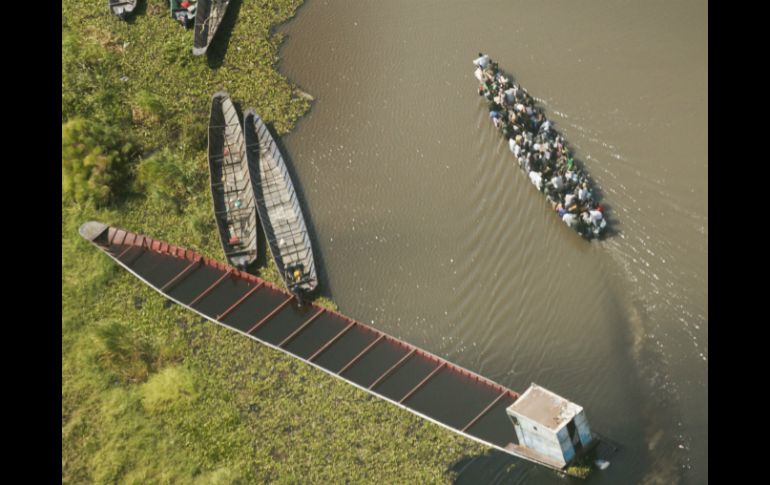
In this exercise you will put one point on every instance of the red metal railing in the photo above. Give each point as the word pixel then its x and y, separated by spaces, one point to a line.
pixel 422 382
pixel 119 236
pixel 270 315
pixel 240 300
pixel 485 411
pixel 361 354
pixel 179 275
pixel 210 288
pixel 331 341
pixel 392 368
pixel 300 328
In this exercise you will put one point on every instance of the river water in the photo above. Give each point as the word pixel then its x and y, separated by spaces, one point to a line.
pixel 424 226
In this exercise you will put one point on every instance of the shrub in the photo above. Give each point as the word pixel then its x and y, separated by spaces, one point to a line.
pixel 326 303
pixel 201 223
pixel 147 107
pixel 166 178
pixel 95 160
pixel 122 353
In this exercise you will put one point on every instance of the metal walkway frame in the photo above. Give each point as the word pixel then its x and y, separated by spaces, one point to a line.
pixel 166 268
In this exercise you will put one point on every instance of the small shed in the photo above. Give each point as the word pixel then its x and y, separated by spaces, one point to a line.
pixel 549 424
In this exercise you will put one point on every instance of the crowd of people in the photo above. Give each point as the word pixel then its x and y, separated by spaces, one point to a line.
pixel 541 152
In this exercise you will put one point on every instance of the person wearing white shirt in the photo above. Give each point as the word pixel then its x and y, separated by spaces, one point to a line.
pixel 536 179
pixel 482 61
pixel 583 193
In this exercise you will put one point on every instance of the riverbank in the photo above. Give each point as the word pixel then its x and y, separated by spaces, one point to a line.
pixel 150 392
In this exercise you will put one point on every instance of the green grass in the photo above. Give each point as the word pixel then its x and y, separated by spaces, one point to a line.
pixel 152 393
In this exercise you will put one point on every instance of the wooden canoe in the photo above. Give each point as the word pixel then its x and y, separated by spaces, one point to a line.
pixel 232 183
pixel 279 210
pixel 208 17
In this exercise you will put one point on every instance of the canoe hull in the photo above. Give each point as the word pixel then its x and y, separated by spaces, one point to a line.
pixel 232 183
pixel 208 18
pixel 279 211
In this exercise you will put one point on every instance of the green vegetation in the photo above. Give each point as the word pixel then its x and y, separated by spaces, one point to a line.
pixel 166 177
pixel 579 470
pixel 151 393
pixel 582 466
pixel 94 161
pixel 326 303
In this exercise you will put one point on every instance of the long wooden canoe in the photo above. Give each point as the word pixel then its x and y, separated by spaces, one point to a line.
pixel 562 179
pixel 278 207
pixel 207 20
pixel 232 183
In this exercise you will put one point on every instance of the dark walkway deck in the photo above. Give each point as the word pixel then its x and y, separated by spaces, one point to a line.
pixel 407 376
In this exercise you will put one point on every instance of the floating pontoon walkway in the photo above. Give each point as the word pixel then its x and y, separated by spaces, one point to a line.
pixel 396 371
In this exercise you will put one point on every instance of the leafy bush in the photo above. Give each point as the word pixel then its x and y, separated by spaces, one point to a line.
pixel 121 353
pixel 147 107
pixel 95 159
pixel 167 178
pixel 326 303
pixel 201 223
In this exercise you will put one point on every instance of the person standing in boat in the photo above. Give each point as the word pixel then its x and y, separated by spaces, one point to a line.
pixel 495 118
pixel 557 182
pixel 507 130
pixel 482 61
pixel 514 147
pixel 583 192
pixel 569 219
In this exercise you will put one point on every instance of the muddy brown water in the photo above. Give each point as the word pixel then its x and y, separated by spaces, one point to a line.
pixel 424 226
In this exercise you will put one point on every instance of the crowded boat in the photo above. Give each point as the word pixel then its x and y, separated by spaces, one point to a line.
pixel 540 150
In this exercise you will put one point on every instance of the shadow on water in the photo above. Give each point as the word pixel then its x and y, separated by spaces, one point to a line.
pixel 215 55
pixel 493 467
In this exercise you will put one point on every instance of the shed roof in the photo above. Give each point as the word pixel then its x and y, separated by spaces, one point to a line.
pixel 545 407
